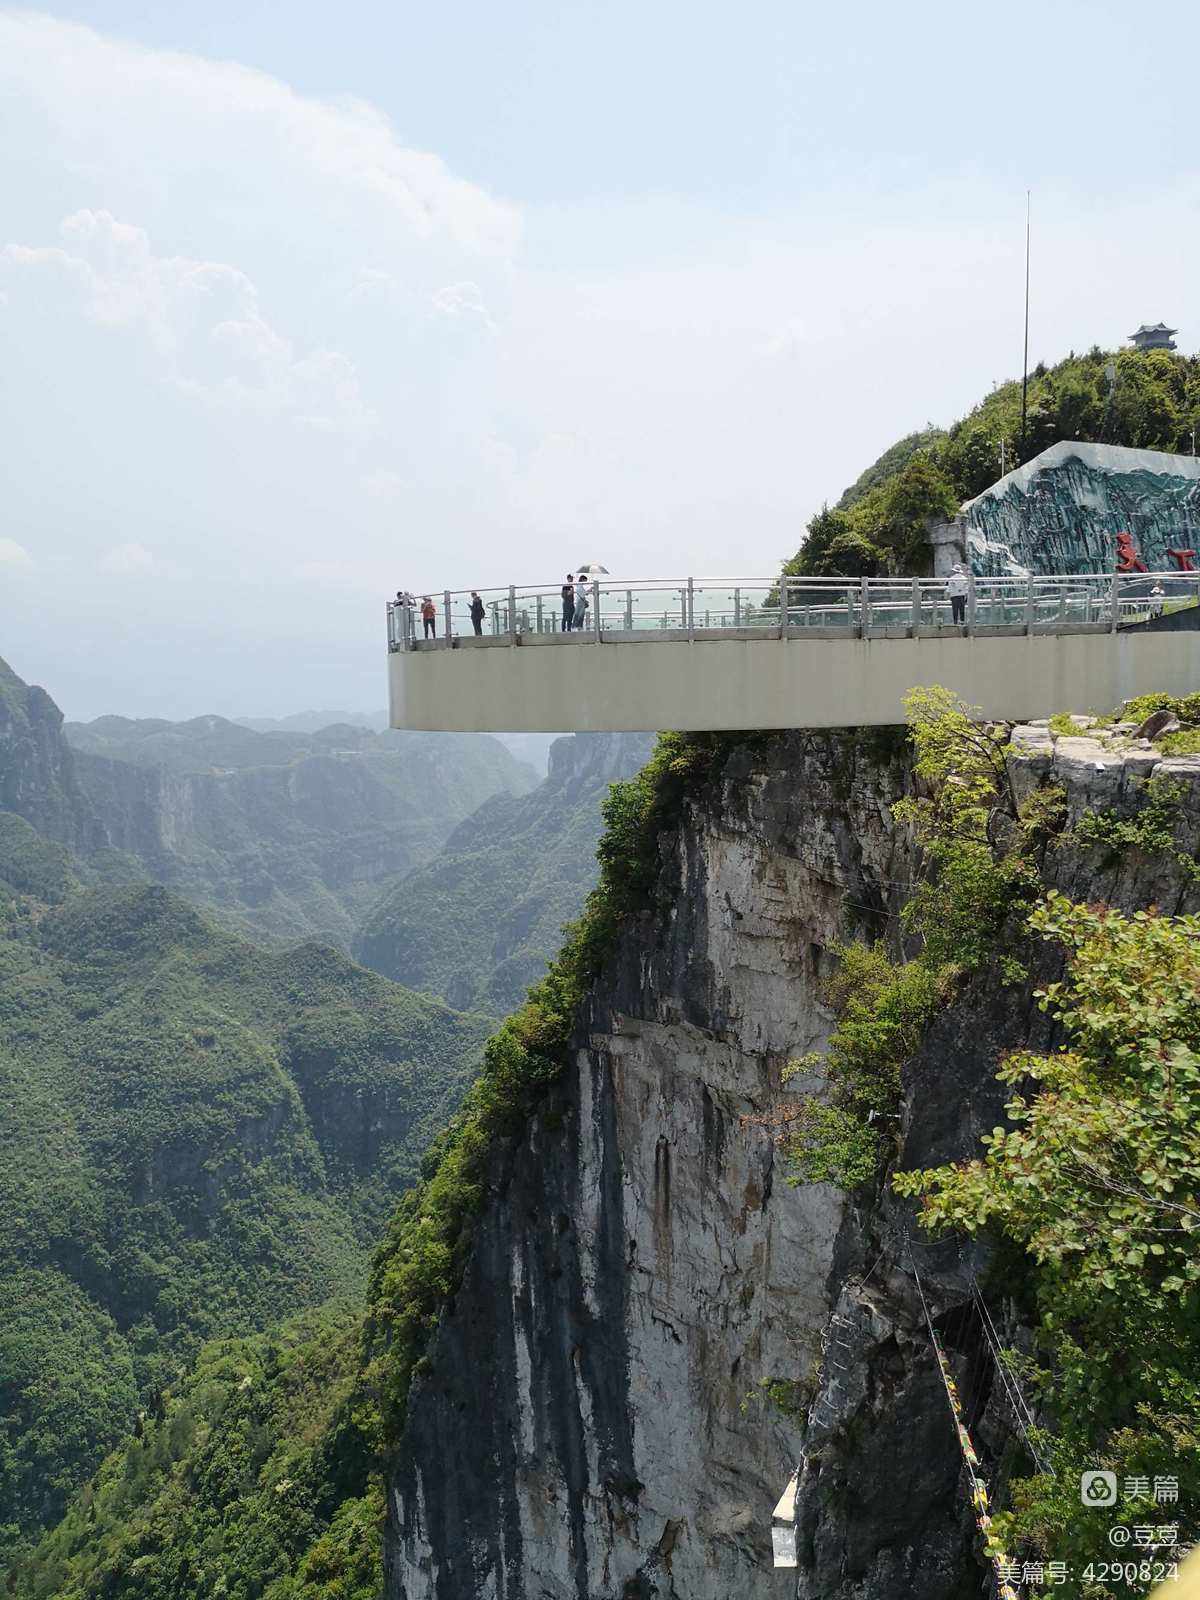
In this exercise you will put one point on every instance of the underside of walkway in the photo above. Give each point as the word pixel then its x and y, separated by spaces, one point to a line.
pixel 777 683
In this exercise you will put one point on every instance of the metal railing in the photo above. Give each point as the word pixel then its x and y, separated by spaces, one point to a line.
pixel 785 608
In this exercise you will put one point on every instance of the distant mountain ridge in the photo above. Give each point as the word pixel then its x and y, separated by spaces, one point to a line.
pixel 314 721
pixel 478 923
pixel 285 834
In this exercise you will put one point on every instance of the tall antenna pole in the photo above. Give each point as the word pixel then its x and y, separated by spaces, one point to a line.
pixel 1025 365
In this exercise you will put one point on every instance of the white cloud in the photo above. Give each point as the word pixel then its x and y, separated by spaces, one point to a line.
pixel 384 485
pixel 201 318
pixel 128 560
pixel 96 87
pixel 463 302
pixel 13 554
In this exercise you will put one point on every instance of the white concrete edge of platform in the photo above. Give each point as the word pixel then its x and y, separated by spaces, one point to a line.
pixel 728 684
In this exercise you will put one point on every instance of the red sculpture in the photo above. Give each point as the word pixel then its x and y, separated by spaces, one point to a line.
pixel 1183 559
pixel 1128 559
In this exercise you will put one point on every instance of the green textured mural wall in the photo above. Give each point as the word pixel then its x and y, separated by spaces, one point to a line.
pixel 1061 511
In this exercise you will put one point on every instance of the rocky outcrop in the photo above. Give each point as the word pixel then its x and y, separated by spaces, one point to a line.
pixel 655 1329
pixel 37 777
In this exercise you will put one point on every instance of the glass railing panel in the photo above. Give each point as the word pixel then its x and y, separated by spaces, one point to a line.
pixel 1042 602
pixel 822 603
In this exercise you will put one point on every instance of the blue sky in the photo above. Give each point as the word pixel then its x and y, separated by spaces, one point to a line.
pixel 301 302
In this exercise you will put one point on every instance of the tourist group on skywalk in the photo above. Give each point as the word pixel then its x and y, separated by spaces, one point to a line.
pixel 575 602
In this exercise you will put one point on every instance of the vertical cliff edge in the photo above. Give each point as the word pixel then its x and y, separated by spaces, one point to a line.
pixel 654 1328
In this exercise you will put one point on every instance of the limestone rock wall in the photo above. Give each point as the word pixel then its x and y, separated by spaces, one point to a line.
pixel 594 1425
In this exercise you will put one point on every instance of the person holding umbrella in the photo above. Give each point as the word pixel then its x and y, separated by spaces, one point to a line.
pixel 588 569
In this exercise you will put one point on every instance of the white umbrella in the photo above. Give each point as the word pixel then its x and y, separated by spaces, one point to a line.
pixel 592 569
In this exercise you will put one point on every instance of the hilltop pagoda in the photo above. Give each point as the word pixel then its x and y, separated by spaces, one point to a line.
pixel 1154 336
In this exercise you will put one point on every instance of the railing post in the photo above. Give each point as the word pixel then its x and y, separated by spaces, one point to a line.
pixel 970 604
pixel 691 609
pixel 629 611
pixel 446 615
pixel 916 607
pixel 1029 606
pixel 596 605
pixel 737 608
pixel 1112 621
pixel 512 613
pixel 783 605
pixel 539 615
pixel 864 605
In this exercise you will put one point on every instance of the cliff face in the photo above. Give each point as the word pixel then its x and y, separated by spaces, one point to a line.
pixel 37 778
pixel 595 1424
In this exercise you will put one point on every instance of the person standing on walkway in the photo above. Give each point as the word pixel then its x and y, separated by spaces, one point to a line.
pixel 429 617
pixel 476 612
pixel 568 600
pixel 581 604
pixel 956 588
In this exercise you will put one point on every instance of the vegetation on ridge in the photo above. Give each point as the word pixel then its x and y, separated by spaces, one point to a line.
pixel 878 526
pixel 247 1482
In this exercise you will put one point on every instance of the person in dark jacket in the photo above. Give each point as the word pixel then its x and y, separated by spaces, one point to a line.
pixel 476 612
pixel 568 600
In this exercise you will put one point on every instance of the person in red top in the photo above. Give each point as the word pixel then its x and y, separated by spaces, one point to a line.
pixel 429 617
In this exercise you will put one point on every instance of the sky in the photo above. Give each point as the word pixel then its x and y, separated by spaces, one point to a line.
pixel 300 304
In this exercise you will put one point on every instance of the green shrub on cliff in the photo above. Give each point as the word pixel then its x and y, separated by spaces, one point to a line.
pixel 883 1007
pixel 1097 1181
pixel 960 907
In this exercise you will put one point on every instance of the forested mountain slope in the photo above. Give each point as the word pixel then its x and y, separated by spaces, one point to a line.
pixel 479 923
pixel 878 525
pixel 594 1337
pixel 285 834
pixel 198 1135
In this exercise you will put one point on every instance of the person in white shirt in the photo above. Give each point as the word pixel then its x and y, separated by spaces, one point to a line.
pixel 956 588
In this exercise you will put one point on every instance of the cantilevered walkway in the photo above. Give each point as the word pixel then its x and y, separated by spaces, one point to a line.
pixel 710 654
